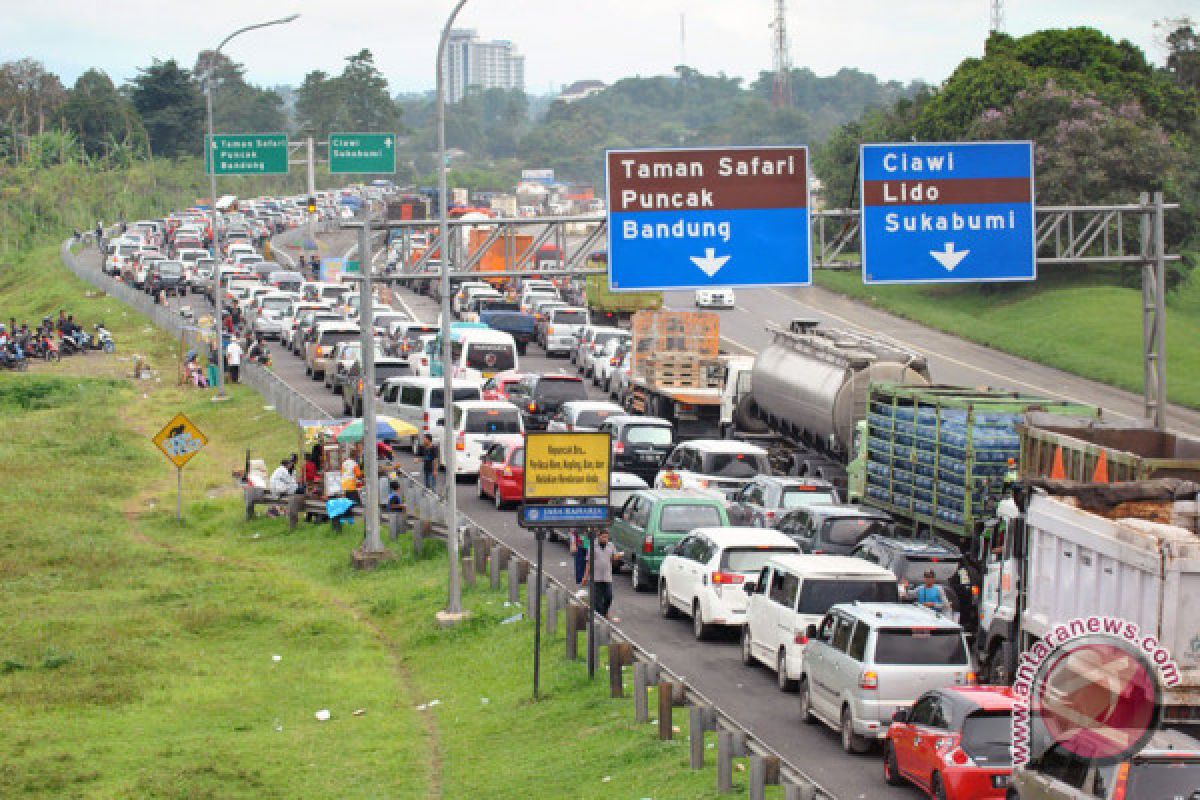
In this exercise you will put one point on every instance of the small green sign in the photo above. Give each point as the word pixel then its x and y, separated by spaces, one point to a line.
pixel 249 154
pixel 362 152
pixel 351 266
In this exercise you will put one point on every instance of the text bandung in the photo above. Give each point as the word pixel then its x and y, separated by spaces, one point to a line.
pixel 680 229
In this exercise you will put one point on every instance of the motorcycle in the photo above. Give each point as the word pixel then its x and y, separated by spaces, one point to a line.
pixel 68 345
pixel 102 340
pixel 12 357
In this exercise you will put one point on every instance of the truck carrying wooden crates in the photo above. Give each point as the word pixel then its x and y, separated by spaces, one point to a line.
pixel 676 371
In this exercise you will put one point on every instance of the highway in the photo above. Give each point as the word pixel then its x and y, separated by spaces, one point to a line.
pixel 714 668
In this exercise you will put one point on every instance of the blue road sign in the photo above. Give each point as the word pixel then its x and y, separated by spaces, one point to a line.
pixel 948 212
pixel 696 218
pixel 551 515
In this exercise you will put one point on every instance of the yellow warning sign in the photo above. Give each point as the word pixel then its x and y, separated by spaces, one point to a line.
pixel 179 440
pixel 560 466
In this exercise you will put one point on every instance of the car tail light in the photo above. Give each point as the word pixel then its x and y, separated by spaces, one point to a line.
pixel 702 483
pixel 612 362
pixel 869 680
pixel 461 444
pixel 671 480
pixel 648 544
pixel 818 552
pixel 570 427
pixel 508 473
pixel 770 516
pixel 727 578
pixel 1121 782
pixel 618 447
pixel 533 408
pixel 972 679
pixel 800 639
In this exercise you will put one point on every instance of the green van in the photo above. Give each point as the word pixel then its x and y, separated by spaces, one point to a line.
pixel 653 520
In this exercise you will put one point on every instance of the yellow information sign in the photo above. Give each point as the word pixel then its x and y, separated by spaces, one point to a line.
pixel 179 440
pixel 560 466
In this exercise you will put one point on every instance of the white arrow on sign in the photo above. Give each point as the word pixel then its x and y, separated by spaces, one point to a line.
pixel 387 142
pixel 710 262
pixel 949 257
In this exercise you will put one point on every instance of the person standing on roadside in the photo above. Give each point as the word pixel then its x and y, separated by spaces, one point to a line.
pixel 579 551
pixel 429 462
pixel 605 553
pixel 233 359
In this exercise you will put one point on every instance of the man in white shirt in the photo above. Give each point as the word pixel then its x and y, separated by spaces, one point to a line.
pixel 282 481
pixel 233 359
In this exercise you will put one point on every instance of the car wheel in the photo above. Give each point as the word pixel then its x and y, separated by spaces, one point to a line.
pixel 786 684
pixel 638 577
pixel 806 715
pixel 891 768
pixel 748 658
pixel 498 498
pixel 665 607
pixel 700 629
pixel 851 741
pixel 939 787
pixel 482 495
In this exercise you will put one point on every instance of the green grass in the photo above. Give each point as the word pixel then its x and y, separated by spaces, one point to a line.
pixel 1083 327
pixel 138 653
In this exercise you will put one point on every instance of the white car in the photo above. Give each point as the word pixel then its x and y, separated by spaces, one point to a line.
pixel 722 465
pixel 705 573
pixel 715 298
pixel 582 415
pixel 480 424
pixel 608 361
pixel 591 347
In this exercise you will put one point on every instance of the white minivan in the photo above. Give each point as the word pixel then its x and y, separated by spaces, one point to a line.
pixel 419 402
pixel 480 353
pixel 795 591
pixel 479 424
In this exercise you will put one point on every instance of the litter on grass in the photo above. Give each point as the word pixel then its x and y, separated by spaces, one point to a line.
pixel 514 618
pixel 277 658
pixel 322 715
pixel 358 712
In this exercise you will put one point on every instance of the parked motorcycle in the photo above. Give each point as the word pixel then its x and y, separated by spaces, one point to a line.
pixel 102 340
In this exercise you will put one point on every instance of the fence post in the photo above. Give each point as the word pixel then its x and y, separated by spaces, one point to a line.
pixel 576 622
pixel 619 655
pixel 480 553
pixel 666 705
pixel 801 790
pixel 696 726
pixel 494 564
pixel 514 580
pixel 764 771
pixel 552 610
pixel 641 688
pixel 468 572
pixel 730 745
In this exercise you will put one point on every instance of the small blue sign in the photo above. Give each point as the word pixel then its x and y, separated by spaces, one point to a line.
pixel 948 212
pixel 547 515
pixel 708 217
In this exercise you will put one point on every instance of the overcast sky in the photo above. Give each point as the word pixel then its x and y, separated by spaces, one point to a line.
pixel 562 40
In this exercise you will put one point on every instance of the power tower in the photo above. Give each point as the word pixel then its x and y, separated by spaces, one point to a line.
pixel 997 23
pixel 781 91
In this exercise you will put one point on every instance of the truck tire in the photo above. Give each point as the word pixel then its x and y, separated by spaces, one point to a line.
pixel 745 417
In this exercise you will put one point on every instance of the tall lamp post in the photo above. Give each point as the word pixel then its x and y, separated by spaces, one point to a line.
pixel 454 609
pixel 209 161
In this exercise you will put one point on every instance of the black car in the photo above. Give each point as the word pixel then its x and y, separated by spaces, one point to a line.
pixel 640 444
pixel 539 397
pixel 167 276
pixel 834 530
pixel 767 498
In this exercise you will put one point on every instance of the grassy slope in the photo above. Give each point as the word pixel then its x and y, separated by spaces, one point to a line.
pixel 137 656
pixel 1090 330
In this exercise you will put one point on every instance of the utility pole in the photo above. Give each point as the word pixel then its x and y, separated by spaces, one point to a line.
pixel 312 196
pixel 997 22
pixel 372 547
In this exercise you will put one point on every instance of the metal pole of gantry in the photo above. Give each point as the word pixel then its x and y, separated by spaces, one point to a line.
pixel 372 543
pixel 312 196
pixel 454 606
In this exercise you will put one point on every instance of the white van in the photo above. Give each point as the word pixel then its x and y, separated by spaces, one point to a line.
pixel 479 424
pixel 479 353
pixel 419 402
pixel 795 591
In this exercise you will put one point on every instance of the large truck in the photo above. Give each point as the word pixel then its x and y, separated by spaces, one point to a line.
pixel 615 309
pixel 1068 551
pixel 676 370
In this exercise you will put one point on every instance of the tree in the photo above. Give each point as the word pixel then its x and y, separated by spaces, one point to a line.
pixel 239 107
pixel 30 99
pixel 319 106
pixel 364 93
pixel 1182 42
pixel 102 120
pixel 172 108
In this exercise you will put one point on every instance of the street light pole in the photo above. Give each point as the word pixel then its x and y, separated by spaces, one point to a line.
pixel 454 608
pixel 209 161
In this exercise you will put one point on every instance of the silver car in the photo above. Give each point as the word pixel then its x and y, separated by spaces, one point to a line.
pixel 868 660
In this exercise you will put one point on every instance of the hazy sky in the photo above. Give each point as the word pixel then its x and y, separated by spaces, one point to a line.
pixel 562 40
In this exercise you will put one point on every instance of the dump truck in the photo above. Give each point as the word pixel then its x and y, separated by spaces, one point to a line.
pixel 676 370
pixel 1079 445
pixel 615 309
pixel 1068 550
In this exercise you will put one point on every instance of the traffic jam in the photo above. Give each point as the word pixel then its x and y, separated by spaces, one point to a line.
pixel 828 510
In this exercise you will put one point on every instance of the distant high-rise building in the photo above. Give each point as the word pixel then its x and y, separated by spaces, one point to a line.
pixel 488 65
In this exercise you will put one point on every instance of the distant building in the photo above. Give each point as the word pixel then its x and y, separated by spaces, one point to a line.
pixel 581 89
pixel 488 65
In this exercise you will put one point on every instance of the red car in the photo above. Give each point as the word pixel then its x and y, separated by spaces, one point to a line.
pixel 502 474
pixel 953 743
pixel 497 386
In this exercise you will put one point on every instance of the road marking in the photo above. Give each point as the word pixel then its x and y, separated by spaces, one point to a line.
pixel 953 360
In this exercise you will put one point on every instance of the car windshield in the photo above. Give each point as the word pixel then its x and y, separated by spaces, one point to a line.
pixel 276 303
pixel 491 357
pixel 606 336
pixel 913 568
pixel 818 595
pixel 749 559
pixel 570 318
pixel 460 393
pixel 385 371
pixel 920 647
pixel 415 332
pixel 987 737
pixel 563 390
pixel 594 419
pixel 337 337
pixel 170 267
pixel 493 420
pixel 648 434
pixel 735 465
pixel 852 530
pixel 795 497
pixel 679 518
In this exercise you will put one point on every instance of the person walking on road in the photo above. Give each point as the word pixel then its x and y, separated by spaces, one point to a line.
pixel 930 595
pixel 233 359
pixel 429 462
pixel 602 582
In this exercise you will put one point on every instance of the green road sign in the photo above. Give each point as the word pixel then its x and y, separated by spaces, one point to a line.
pixel 362 152
pixel 351 266
pixel 250 153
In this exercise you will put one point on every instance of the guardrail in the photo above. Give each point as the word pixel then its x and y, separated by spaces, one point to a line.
pixel 482 552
